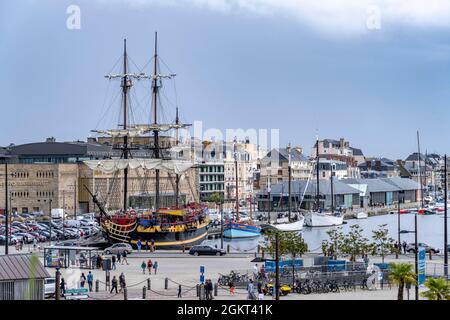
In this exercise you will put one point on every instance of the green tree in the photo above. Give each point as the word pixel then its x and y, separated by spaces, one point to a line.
pixel 354 243
pixel 382 243
pixel 336 241
pixel 438 289
pixel 401 274
pixel 215 198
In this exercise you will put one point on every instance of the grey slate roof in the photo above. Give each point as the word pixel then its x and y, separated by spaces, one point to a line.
pixel 298 187
pixel 373 185
pixel 357 152
pixel 385 184
pixel 284 155
pixel 21 267
pixel 414 156
pixel 59 148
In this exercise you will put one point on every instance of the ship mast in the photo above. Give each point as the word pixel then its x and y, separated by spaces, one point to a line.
pixel 155 89
pixel 237 178
pixel 177 176
pixel 317 174
pixel 126 84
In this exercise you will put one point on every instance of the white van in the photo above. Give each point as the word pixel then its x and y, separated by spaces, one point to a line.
pixel 72 223
pixel 58 213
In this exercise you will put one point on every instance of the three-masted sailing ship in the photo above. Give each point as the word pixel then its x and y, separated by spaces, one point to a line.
pixel 174 227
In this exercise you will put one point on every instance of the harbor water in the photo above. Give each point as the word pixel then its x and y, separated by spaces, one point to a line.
pixel 430 231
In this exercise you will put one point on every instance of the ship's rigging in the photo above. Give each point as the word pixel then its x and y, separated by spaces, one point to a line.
pixel 157 158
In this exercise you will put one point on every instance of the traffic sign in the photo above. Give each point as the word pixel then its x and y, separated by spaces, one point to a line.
pixel 77 297
pixel 77 291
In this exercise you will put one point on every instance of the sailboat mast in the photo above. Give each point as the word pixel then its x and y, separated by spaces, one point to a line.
pixel 419 167
pixel 125 86
pixel 177 176
pixel 289 186
pixel 237 179
pixel 155 120
pixel 317 174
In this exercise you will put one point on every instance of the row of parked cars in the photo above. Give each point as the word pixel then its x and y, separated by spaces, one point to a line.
pixel 30 230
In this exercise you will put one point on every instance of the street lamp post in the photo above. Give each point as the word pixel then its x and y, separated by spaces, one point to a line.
pixel 277 268
pixel 445 220
pixel 416 256
pixel 6 174
pixel 221 224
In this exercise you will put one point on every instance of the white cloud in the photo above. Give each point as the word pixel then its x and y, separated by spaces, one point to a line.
pixel 330 16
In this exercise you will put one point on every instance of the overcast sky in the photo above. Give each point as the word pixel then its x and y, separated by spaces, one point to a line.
pixel 334 69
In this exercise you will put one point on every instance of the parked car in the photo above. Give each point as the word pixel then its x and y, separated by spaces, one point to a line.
pixel 206 250
pixel 119 248
pixel 11 240
pixel 49 287
pixel 411 248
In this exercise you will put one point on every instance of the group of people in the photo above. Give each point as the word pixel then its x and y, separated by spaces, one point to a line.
pixel 209 290
pixel 149 266
pixel 121 282
pixel 399 246
pixel 89 279
pixel 259 273
pixel 148 247
pixel 120 257
pixel 251 291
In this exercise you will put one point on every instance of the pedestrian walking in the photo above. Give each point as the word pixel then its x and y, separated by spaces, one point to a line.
pixel 124 257
pixel 155 266
pixel 149 266
pixel 404 247
pixel 113 284
pixel 139 245
pixel 113 260
pixel 147 247
pixel 153 246
pixel 63 286
pixel 122 282
pixel 250 289
pixel 118 257
pixel 179 291
pixel 90 280
pixel 231 286
pixel 82 280
pixel 260 291
pixel 255 272
pixel 143 266
pixel 208 289
pixel 34 244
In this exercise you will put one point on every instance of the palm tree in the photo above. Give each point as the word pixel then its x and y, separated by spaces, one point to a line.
pixel 438 289
pixel 401 274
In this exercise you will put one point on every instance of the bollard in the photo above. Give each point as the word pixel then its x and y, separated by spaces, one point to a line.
pixel 202 292
pixel 198 290
pixel 148 284
pixel 166 283
pixel 228 248
pixel 97 284
pixel 216 287
pixel 144 291
pixel 125 294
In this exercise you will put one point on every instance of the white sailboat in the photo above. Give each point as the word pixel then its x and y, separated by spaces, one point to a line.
pixel 319 218
pixel 323 219
pixel 287 224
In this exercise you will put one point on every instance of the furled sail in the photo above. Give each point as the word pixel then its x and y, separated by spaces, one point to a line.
pixel 112 165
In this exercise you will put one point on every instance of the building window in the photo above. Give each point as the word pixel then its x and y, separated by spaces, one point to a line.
pixel 24 210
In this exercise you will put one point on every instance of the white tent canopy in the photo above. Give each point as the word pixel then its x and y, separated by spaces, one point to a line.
pixel 110 166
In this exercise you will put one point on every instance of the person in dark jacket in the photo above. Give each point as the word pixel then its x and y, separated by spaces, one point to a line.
pixel 113 260
pixel 179 291
pixel 63 286
pixel 113 284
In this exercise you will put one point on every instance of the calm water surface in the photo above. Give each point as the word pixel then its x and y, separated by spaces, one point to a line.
pixel 430 231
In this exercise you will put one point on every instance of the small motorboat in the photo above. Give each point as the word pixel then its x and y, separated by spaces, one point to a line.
pixel 362 215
